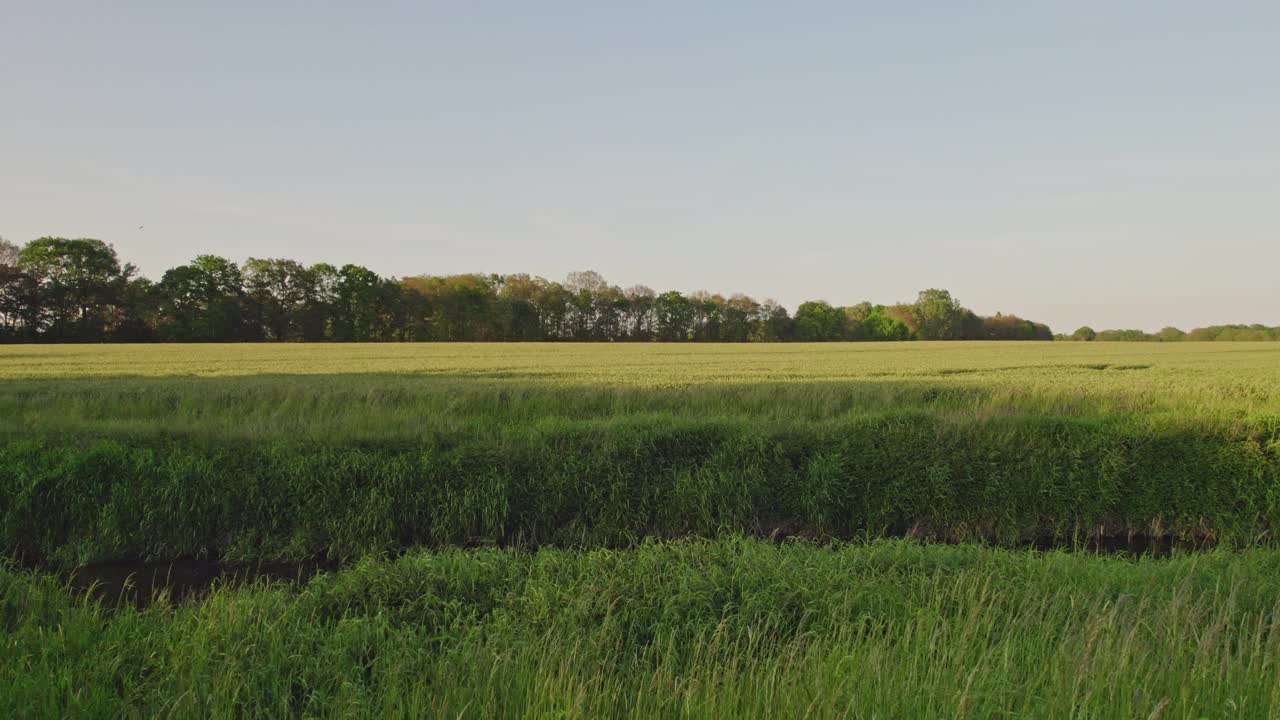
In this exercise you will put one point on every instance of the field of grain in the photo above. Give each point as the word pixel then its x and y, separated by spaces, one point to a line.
pixel 602 530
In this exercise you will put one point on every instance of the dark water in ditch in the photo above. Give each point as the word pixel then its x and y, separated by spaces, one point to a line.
pixel 142 584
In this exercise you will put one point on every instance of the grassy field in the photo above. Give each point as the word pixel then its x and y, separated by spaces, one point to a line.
pixel 592 530
pixel 267 452
pixel 732 628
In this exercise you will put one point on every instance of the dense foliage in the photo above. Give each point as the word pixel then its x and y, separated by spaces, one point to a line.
pixel 61 290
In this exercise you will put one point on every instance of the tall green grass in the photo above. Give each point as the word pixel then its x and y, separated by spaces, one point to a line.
pixel 730 628
pixel 1002 479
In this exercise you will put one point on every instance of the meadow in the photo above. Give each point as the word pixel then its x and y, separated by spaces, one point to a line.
pixel 613 530
pixel 271 452
pixel 711 629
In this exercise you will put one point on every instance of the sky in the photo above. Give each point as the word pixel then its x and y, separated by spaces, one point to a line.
pixel 1115 164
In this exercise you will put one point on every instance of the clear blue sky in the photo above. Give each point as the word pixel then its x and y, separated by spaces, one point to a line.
pixel 1109 163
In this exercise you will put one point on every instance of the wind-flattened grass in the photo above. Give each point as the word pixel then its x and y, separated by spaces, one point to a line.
pixel 728 628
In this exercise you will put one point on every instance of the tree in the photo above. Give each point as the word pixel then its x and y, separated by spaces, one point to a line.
pixel 741 315
pixel 854 318
pixel 818 321
pixel 76 282
pixel 881 325
pixel 520 294
pixel 137 312
pixel 582 313
pixel 17 295
pixel 675 316
pixel 589 280
pixel 938 316
pixel 461 307
pixel 19 304
pixel 610 307
pixel 362 305
pixel 1171 334
pixel 972 327
pixel 1012 327
pixel 202 301
pixel 773 324
pixel 1084 334
pixel 553 309
pixel 640 317
pixel 8 253
pixel 319 290
pixel 1123 336
pixel 60 289
pixel 275 293
pixel 708 316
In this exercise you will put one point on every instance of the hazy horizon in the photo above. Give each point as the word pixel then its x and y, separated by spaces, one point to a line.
pixel 1081 164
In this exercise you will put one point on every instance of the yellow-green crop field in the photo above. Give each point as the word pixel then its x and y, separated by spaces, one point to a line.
pixel 1201 365
pixel 381 391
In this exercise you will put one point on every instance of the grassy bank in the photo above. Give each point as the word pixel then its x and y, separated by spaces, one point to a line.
pixel 730 628
pixel 1006 480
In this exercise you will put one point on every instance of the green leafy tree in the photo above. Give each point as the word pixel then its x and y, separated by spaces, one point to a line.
pixel 461 307
pixel 740 315
pixel 275 293
pixel 19 304
pixel 675 316
pixel 854 318
pixel 1009 327
pixel 554 311
pixel 363 304
pixel 938 316
pixel 318 286
pixel 881 325
pixel 610 309
pixel 640 320
pixel 137 315
pixel 818 321
pixel 708 316
pixel 1123 336
pixel 77 283
pixel 520 293
pixel 1084 334
pixel 203 301
pixel 773 324
pixel 972 327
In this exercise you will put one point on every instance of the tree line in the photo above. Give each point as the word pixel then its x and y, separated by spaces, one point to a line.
pixel 1212 333
pixel 77 290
